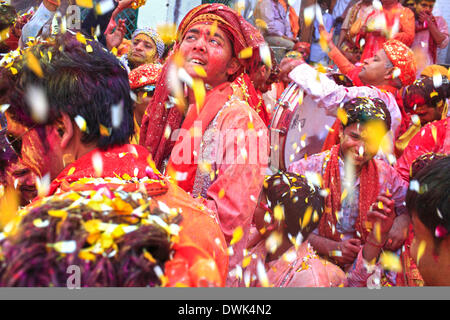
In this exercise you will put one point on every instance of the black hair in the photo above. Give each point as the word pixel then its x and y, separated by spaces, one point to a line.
pixel 79 78
pixel 29 258
pixel 293 192
pixel 7 155
pixel 362 110
pixel 431 200
pixel 425 91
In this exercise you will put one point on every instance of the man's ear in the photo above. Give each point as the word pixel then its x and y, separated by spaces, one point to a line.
pixel 341 131
pixel 233 66
pixel 389 74
pixel 64 126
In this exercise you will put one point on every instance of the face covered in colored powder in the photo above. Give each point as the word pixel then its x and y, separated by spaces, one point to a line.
pixel 38 147
pixel 211 52
pixel 142 50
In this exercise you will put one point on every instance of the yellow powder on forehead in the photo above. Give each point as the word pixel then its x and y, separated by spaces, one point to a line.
pixel 144 37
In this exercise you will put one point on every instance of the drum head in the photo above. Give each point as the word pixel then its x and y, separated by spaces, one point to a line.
pixel 307 132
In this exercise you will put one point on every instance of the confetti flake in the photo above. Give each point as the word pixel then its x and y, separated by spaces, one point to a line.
pixel 213 29
pixel 34 65
pixel 37 100
pixel 167 32
pixel 306 217
pixel 264 52
pixel 43 185
pixel 278 212
pixel 421 250
pixel 309 15
pixel 104 6
pixel 81 123
pixel 390 261
pixel 97 163
pixel 85 3
pixel 238 233
pixel 262 275
pixel 246 53
pixel 200 71
pixel 64 246
pixel 199 92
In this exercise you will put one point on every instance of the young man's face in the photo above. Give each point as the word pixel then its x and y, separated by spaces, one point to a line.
pixel 354 144
pixel 375 69
pixel 142 50
pixel 41 153
pixel 427 113
pixel 212 52
pixel 424 6
pixel 21 178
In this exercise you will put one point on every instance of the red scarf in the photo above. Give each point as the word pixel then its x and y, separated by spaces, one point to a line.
pixel 369 191
pixel 184 167
pixel 253 97
pixel 117 161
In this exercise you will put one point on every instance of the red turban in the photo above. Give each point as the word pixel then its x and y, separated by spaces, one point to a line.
pixel 241 33
pixel 402 58
pixel 143 75
pixel 158 117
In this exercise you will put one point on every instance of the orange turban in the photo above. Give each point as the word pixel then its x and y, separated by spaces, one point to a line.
pixel 402 58
pixel 146 74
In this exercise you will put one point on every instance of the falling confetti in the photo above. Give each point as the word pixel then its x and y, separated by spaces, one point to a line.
pixel 43 185
pixel 9 204
pixel 85 3
pixel 421 250
pixel 306 217
pixel 246 53
pixel 199 92
pixel 97 163
pixel 117 114
pixel 37 100
pixel 262 275
pixel 278 212
pixel 238 233
pixel 167 32
pixel 34 65
pixel 309 15
pixel 81 123
pixel 213 29
pixel 104 6
pixel 200 71
pixel 64 246
pixel 390 261
pixel 264 52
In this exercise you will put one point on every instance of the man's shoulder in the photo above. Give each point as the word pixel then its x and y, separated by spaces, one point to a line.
pixel 314 162
pixel 238 112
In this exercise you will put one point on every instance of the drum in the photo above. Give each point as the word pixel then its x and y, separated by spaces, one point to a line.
pixel 298 128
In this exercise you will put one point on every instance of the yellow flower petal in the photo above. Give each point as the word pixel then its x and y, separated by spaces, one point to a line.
pixel 390 261
pixel 307 217
pixel 34 65
pixel 85 3
pixel 238 233
pixel 421 250
pixel 246 53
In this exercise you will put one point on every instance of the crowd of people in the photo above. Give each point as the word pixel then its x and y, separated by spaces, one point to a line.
pixel 148 161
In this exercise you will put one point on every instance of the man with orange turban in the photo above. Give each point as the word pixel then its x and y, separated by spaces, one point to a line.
pixel 218 143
